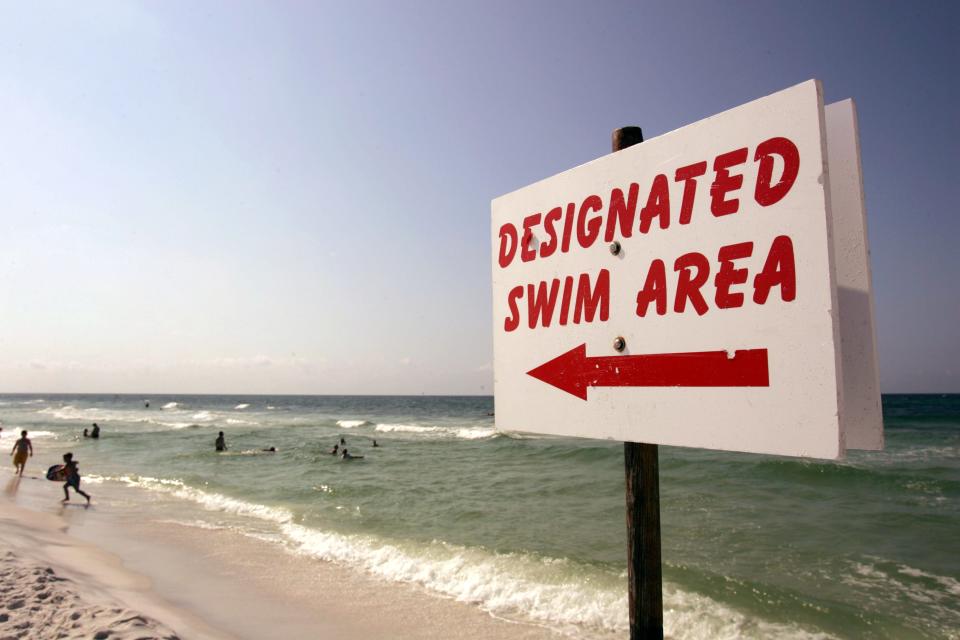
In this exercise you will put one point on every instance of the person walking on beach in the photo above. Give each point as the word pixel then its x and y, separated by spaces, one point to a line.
pixel 72 473
pixel 19 452
pixel 221 444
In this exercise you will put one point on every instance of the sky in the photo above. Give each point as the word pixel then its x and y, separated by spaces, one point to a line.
pixel 294 197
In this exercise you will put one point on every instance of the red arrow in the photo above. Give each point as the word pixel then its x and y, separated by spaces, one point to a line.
pixel 573 372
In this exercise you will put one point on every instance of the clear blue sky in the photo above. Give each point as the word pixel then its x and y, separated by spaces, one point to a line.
pixel 293 197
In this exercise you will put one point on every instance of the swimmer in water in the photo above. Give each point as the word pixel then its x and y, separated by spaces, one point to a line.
pixel 346 456
pixel 333 451
pixel 220 444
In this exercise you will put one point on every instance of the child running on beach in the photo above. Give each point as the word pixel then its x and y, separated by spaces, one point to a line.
pixel 73 478
pixel 19 452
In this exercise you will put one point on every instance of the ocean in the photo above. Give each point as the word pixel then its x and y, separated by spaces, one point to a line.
pixel 532 528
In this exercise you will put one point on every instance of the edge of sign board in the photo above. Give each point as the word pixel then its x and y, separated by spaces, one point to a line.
pixel 841 450
pixel 862 422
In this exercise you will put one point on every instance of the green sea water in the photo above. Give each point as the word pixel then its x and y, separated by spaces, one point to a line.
pixel 533 528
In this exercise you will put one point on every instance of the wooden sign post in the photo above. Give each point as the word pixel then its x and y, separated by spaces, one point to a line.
pixel 642 470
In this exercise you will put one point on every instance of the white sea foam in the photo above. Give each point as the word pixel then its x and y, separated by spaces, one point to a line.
pixel 208 500
pixel 241 406
pixel 350 424
pixel 14 434
pixel 950 584
pixel 463 433
pixel 68 412
pixel 171 405
pixel 95 414
pixel 38 435
pixel 493 582
pixel 522 587
pixel 203 416
pixel 177 425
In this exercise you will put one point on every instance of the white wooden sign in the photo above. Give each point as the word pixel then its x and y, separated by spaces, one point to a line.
pixel 680 292
pixel 861 416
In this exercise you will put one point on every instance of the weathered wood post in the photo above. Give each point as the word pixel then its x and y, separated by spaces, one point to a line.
pixel 644 578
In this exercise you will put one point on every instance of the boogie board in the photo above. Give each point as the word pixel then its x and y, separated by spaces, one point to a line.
pixel 57 473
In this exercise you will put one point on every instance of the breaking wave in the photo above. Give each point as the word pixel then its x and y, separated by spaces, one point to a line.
pixel 463 433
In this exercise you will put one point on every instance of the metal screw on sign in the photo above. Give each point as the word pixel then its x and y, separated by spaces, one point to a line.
pixel 615 248
pixel 619 343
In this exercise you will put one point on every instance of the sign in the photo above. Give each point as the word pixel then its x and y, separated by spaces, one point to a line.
pixel 682 291
pixel 862 417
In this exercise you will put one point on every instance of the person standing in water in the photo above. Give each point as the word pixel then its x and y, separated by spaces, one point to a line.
pixel 73 478
pixel 95 433
pixel 21 448
pixel 221 444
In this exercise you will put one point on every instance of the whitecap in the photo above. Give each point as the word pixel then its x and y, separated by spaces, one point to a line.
pixel 350 424
pixel 208 500
pixel 241 406
pixel 464 433
pixel 171 405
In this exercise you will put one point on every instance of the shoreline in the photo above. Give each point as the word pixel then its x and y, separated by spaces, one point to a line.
pixel 218 584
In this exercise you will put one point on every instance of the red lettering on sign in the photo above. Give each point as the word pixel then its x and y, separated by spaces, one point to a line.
pixel 764 193
pixel 727 276
pixel 512 322
pixel 588 230
pixel 588 302
pixel 540 304
pixel 658 205
pixel 508 244
pixel 565 301
pixel 622 212
pixel 568 227
pixel 724 182
pixel 548 248
pixel 527 253
pixel 689 175
pixel 688 286
pixel 778 270
pixel 654 289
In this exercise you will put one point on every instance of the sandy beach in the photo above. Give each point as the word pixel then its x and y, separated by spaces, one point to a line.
pixel 73 572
